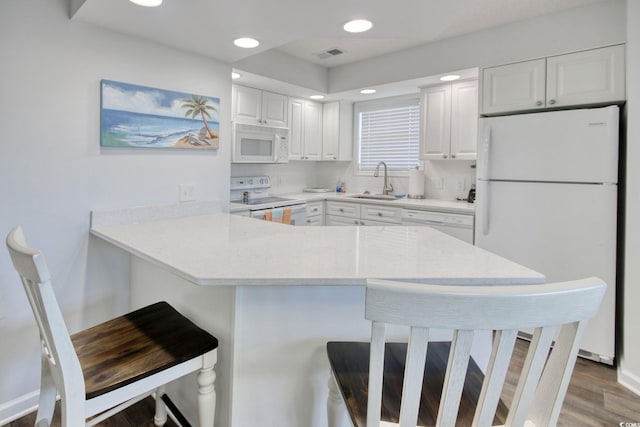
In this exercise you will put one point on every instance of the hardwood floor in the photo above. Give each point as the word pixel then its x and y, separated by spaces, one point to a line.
pixel 595 399
pixel 138 415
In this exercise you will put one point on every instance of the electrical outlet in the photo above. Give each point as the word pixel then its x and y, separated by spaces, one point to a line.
pixel 437 183
pixel 187 192
pixel 460 184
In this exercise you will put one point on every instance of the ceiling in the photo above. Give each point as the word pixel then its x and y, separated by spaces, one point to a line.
pixel 304 28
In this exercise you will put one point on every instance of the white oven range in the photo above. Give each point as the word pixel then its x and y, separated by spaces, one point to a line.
pixel 253 192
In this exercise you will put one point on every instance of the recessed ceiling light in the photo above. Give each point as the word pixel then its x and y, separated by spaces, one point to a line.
pixel 317 97
pixel 367 91
pixel 358 26
pixel 246 42
pixel 147 3
pixel 449 78
pixel 235 76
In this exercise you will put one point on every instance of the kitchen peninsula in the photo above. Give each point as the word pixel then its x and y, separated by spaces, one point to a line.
pixel 274 294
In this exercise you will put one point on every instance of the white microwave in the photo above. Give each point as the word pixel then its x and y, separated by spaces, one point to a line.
pixel 260 144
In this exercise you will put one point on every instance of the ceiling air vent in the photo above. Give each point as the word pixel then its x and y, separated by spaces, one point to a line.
pixel 329 53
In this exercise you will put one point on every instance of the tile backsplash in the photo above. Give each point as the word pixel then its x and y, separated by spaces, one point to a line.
pixel 446 180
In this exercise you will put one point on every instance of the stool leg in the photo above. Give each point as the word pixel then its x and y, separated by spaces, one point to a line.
pixel 336 410
pixel 72 410
pixel 161 410
pixel 48 392
pixel 206 390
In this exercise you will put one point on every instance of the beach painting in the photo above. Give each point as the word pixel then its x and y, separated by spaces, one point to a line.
pixel 145 117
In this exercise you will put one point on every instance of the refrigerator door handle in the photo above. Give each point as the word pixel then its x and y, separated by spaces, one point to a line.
pixel 484 188
pixel 483 171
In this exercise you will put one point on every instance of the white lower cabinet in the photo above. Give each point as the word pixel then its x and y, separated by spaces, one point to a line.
pixel 343 213
pixel 341 220
pixel 381 213
pixel 315 213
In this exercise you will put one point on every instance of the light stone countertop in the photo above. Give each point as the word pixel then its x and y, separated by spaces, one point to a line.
pixel 437 205
pixel 225 249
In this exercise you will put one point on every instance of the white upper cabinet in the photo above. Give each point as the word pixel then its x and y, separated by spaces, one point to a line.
pixel 514 87
pixel 312 132
pixel 449 121
pixel 255 106
pixel 296 127
pixel 337 118
pixel 330 131
pixel 435 121
pixel 589 77
pixel 593 76
pixel 464 120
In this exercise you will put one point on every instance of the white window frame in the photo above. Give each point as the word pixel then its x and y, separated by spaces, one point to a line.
pixel 382 103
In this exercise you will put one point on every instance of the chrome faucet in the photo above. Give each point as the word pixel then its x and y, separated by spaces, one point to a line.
pixel 387 187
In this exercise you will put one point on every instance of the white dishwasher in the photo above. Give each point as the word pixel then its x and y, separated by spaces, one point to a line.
pixel 456 225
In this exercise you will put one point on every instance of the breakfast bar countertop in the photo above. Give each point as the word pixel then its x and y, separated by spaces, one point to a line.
pixel 225 249
pixel 236 277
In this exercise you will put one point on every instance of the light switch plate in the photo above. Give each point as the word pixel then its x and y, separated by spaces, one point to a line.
pixel 187 192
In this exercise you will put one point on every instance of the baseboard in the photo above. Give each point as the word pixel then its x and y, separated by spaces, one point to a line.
pixel 18 407
pixel 629 380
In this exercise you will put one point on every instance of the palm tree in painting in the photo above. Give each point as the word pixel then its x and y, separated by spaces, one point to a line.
pixel 199 105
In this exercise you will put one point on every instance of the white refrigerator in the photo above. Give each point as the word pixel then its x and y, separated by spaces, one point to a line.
pixel 547 198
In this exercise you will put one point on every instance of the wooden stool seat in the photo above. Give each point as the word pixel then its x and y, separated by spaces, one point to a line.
pixel 439 384
pixel 137 345
pixel 109 367
pixel 350 364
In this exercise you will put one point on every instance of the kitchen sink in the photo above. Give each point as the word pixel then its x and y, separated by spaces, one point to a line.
pixel 374 196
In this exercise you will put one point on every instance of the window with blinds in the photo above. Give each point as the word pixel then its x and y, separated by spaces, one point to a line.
pixel 388 131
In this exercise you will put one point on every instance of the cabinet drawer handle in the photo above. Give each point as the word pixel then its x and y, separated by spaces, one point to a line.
pixel 538 103
pixel 379 213
pixel 341 210
pixel 551 102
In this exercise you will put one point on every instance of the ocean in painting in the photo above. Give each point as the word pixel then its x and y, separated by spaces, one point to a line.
pixel 127 129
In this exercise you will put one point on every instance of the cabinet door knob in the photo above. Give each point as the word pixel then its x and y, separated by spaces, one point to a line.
pixel 551 102
pixel 538 103
pixel 341 210
pixel 355 222
pixel 444 156
pixel 379 213
pixel 453 156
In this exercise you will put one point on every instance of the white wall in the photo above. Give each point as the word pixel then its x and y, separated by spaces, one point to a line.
pixel 286 178
pixel 279 65
pixel 575 29
pixel 53 171
pixel 629 369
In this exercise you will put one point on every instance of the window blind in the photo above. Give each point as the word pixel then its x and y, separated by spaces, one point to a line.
pixel 390 134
